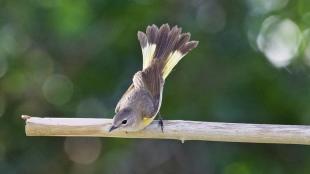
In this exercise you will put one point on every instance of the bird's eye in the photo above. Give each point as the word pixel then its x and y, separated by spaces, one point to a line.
pixel 124 121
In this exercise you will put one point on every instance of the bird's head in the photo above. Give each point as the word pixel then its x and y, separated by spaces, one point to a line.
pixel 126 120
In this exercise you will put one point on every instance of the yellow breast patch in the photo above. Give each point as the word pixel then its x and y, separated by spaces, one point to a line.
pixel 147 120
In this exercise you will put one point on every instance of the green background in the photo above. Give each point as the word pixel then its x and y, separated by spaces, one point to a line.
pixel 76 58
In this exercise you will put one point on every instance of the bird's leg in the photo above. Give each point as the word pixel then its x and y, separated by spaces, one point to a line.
pixel 161 123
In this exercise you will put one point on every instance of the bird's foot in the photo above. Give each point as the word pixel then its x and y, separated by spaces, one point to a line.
pixel 161 123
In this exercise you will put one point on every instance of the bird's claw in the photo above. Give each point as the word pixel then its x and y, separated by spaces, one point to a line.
pixel 161 123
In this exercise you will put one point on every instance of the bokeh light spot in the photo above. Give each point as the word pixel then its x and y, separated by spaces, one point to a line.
pixel 211 17
pixel 39 65
pixel 258 7
pixel 3 66
pixel 306 46
pixel 57 89
pixel 8 40
pixel 307 54
pixel 279 40
pixel 91 107
pixel 252 26
pixel 82 150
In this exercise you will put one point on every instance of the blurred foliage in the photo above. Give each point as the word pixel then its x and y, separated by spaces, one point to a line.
pixel 76 58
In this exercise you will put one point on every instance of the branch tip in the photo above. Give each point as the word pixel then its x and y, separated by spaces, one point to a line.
pixel 25 117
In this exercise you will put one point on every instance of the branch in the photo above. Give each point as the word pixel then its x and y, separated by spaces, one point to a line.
pixel 173 129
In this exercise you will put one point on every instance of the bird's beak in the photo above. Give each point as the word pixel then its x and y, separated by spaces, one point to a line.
pixel 112 128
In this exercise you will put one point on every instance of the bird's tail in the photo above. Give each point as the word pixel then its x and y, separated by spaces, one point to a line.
pixel 164 46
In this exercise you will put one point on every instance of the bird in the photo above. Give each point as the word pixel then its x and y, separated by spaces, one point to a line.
pixel 162 49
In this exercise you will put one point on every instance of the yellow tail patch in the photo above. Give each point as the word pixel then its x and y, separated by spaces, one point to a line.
pixel 148 54
pixel 171 62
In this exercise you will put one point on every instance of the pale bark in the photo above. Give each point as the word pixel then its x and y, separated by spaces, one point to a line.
pixel 173 129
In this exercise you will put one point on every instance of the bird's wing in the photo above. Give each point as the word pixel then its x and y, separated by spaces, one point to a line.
pixel 151 80
pixel 123 98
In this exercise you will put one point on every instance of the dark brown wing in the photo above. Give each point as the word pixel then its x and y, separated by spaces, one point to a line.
pixel 154 83
pixel 149 80
pixel 152 79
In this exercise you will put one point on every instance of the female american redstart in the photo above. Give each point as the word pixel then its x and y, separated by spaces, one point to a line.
pixel 162 49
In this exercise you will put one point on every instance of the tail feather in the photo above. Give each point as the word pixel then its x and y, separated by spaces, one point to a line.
pixel 164 46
